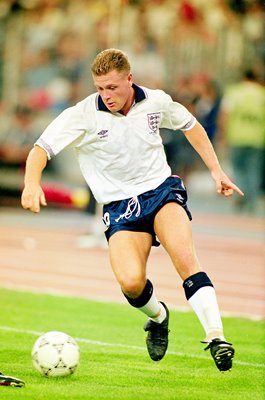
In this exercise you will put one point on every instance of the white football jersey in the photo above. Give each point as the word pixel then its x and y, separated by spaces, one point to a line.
pixel 119 156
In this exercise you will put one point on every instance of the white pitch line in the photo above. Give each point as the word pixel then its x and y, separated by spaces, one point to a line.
pixel 125 346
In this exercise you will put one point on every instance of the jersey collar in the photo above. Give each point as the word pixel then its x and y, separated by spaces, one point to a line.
pixel 140 95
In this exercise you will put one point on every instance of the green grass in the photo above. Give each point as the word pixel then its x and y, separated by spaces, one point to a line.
pixel 114 362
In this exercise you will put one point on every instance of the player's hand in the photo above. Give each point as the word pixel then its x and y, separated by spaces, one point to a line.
pixel 33 198
pixel 225 186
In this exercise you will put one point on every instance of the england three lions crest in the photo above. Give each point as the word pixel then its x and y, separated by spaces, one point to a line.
pixel 154 121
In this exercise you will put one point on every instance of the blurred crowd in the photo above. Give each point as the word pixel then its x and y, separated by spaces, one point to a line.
pixel 196 50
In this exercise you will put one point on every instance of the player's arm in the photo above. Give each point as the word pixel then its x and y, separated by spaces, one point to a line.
pixel 33 196
pixel 199 140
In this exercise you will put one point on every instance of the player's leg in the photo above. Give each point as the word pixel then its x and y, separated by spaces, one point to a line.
pixel 128 253
pixel 173 229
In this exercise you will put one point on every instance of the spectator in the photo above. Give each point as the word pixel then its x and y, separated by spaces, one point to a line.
pixel 243 127
pixel 207 103
pixel 18 137
pixel 180 155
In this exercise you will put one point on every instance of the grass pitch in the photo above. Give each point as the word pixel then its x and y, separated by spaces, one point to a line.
pixel 114 361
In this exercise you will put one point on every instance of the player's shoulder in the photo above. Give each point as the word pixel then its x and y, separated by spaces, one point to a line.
pixel 153 92
pixel 87 104
pixel 78 111
pixel 156 95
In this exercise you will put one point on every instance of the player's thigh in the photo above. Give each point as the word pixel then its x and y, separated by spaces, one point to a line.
pixel 128 252
pixel 173 229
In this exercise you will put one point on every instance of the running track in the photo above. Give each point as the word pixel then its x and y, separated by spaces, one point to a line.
pixel 46 253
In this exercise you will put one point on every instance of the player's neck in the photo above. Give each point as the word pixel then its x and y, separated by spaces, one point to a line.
pixel 130 101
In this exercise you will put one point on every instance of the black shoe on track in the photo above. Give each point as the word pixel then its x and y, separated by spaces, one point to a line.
pixel 157 337
pixel 222 353
pixel 10 381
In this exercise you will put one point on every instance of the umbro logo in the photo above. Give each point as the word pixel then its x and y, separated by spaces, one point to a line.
pixel 179 197
pixel 103 134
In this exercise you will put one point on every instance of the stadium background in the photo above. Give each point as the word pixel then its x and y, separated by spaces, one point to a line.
pixel 46 48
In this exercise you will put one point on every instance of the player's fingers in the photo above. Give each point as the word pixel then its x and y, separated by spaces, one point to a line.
pixel 35 205
pixel 26 201
pixel 228 192
pixel 219 187
pixel 43 199
pixel 233 187
pixel 31 203
pixel 236 189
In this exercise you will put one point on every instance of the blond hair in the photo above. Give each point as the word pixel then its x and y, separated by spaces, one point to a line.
pixel 109 60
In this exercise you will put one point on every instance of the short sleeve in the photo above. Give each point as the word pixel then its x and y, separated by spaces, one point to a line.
pixel 176 116
pixel 64 131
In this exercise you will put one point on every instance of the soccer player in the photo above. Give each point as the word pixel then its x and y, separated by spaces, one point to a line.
pixel 115 134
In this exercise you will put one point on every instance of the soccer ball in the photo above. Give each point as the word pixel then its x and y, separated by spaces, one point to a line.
pixel 55 354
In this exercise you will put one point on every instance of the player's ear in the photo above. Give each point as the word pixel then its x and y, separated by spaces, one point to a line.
pixel 130 79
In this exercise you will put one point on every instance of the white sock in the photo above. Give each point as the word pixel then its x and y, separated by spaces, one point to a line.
pixel 205 306
pixel 154 310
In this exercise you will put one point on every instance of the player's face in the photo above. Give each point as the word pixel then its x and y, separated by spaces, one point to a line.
pixel 116 90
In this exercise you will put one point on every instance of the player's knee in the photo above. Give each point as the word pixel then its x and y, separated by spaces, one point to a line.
pixel 142 297
pixel 132 286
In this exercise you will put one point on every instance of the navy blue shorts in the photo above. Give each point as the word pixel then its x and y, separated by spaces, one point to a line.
pixel 138 213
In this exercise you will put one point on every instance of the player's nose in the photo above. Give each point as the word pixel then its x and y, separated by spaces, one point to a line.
pixel 106 95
